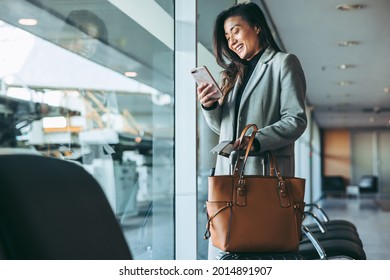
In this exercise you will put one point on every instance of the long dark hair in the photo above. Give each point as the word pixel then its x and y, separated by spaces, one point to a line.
pixel 81 18
pixel 234 68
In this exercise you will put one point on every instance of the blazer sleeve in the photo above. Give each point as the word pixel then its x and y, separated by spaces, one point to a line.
pixel 213 118
pixel 293 120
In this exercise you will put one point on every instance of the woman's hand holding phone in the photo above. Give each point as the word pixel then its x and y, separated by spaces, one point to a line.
pixel 208 89
pixel 207 96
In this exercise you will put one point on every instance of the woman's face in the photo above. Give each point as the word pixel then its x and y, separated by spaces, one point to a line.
pixel 85 43
pixel 242 38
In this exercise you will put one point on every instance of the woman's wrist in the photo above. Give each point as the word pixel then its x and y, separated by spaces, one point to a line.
pixel 256 145
pixel 212 107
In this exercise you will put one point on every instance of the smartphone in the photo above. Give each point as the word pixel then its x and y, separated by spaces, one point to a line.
pixel 203 76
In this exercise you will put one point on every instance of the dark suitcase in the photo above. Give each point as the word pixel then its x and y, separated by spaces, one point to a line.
pixel 254 256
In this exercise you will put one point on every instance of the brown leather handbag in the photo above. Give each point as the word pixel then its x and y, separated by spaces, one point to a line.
pixel 251 213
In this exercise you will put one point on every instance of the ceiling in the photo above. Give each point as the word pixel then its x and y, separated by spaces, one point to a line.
pixel 359 95
pixel 355 97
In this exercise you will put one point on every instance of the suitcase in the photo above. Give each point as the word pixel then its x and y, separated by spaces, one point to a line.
pixel 254 256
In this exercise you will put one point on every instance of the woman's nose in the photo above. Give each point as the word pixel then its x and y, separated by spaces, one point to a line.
pixel 233 40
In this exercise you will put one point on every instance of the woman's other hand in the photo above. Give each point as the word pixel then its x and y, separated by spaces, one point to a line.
pixel 207 96
pixel 244 144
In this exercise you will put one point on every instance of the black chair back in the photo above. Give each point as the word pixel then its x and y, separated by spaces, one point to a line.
pixel 52 209
pixel 368 184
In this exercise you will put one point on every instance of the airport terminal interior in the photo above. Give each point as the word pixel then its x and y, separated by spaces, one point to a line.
pixel 106 85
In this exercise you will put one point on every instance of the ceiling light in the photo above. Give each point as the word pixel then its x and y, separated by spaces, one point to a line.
pixel 349 7
pixel 131 74
pixel 386 89
pixel 347 43
pixel 28 21
pixel 346 66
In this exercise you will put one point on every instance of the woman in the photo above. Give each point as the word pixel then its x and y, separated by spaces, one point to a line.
pixel 82 32
pixel 261 85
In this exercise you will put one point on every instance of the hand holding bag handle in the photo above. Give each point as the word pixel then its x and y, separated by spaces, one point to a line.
pixel 273 162
pixel 240 167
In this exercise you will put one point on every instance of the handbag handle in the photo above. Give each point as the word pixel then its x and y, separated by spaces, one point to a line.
pixel 240 166
pixel 273 163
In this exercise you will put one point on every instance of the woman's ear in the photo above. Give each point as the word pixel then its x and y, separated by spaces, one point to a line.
pixel 258 29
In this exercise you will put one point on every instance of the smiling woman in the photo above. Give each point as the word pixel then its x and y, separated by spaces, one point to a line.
pixel 261 85
pixel 242 38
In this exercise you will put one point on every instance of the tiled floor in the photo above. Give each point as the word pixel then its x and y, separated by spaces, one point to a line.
pixel 372 222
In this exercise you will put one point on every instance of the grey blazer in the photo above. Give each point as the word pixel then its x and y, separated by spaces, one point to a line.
pixel 274 100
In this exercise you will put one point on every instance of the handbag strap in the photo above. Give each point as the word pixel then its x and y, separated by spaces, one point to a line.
pixel 241 161
pixel 240 166
pixel 282 190
pixel 239 170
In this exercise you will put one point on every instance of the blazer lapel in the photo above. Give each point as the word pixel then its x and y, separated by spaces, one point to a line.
pixel 259 71
pixel 232 105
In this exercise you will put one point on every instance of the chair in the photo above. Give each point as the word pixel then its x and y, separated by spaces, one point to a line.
pixel 338 238
pixel 368 184
pixel 332 249
pixel 330 223
pixel 333 185
pixel 51 209
pixel 323 232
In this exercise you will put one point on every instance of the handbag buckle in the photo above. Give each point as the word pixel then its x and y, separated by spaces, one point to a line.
pixel 283 196
pixel 282 188
pixel 241 190
pixel 241 193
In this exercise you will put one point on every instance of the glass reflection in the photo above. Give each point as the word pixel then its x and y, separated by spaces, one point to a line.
pixel 92 29
pixel 64 94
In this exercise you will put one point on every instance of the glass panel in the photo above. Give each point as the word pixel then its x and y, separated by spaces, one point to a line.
pixel 384 155
pixel 362 155
pixel 207 13
pixel 317 165
pixel 92 82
